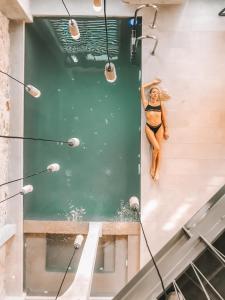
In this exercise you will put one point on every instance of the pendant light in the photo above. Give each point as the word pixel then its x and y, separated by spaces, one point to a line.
pixel 110 69
pixel 72 25
pixel 33 91
pixel 97 5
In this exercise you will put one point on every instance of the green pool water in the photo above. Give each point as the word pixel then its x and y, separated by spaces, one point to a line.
pixel 97 178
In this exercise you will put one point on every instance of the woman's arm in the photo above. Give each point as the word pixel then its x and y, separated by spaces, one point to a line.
pixel 146 85
pixel 143 97
pixel 154 82
pixel 164 122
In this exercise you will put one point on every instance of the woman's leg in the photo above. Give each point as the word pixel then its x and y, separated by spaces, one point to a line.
pixel 152 140
pixel 159 138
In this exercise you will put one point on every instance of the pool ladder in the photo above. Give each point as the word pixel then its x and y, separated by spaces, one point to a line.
pixel 134 39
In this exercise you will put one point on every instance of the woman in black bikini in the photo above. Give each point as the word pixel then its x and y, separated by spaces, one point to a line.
pixel 156 127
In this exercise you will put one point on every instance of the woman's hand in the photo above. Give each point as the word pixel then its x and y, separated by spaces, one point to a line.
pixel 166 134
pixel 156 81
pixel 149 84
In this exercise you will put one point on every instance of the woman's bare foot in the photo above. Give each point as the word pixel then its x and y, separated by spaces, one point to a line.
pixel 156 177
pixel 152 172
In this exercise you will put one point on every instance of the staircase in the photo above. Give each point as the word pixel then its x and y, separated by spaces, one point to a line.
pixel 193 259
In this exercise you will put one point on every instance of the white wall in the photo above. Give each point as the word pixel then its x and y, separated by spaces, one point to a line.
pixel 14 271
pixel 11 156
pixel 190 61
pixel 16 9
pixel 4 129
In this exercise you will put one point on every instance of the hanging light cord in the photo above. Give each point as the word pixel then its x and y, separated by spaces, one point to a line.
pixel 106 34
pixel 37 173
pixel 66 8
pixel 13 78
pixel 30 138
pixel 65 273
pixel 10 197
pixel 154 262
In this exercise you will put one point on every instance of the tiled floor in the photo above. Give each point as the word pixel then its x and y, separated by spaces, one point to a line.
pixel 190 61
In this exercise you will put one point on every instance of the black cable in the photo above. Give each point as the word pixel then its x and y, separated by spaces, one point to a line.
pixel 10 197
pixel 13 78
pixel 154 262
pixel 106 35
pixel 65 273
pixel 66 8
pixel 37 173
pixel 30 138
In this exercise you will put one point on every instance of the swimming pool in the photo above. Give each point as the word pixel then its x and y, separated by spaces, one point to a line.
pixel 97 178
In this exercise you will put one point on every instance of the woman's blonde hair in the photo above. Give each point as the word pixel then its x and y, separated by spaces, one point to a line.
pixel 163 94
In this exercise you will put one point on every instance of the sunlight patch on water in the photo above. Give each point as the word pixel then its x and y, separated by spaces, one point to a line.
pixel 76 214
pixel 125 213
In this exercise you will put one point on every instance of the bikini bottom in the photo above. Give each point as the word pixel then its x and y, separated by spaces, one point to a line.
pixel 154 128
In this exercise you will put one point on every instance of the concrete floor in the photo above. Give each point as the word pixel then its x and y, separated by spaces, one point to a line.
pixel 190 61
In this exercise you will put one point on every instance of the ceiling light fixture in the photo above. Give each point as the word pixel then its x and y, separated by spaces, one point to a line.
pixel 33 91
pixel 72 142
pixel 97 5
pixel 72 25
pixel 110 69
pixel 50 169
pixel 25 190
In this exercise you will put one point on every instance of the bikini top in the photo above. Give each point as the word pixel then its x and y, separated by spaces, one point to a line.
pixel 153 108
